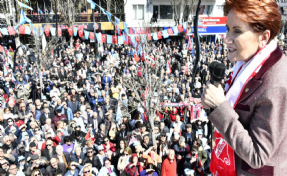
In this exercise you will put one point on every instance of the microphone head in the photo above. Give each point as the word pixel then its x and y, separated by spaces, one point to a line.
pixel 217 71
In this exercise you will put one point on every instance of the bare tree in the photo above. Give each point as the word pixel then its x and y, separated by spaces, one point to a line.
pixel 184 6
pixel 9 8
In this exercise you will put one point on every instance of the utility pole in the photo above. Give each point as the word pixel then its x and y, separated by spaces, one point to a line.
pixel 56 13
pixel 95 47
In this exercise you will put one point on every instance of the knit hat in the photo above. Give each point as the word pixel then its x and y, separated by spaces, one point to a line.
pixel 133 156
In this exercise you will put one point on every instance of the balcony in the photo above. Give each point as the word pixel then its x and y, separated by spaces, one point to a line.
pixel 83 17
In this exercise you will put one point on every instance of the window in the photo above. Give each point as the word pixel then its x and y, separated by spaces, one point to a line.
pixel 166 12
pixel 138 12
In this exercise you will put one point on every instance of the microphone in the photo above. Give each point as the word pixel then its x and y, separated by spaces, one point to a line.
pixel 217 71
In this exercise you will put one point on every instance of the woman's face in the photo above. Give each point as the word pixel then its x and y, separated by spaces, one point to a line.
pixel 135 159
pixel 241 40
pixel 122 144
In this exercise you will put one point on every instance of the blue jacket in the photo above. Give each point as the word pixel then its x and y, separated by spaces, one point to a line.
pixel 76 172
pixel 76 159
pixel 18 133
pixel 69 112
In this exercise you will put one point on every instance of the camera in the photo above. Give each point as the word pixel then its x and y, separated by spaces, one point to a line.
pixel 193 155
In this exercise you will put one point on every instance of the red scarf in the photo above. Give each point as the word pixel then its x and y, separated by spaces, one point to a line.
pixel 223 156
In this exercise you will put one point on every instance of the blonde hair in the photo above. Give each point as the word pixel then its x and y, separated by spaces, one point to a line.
pixel 89 142
pixel 128 150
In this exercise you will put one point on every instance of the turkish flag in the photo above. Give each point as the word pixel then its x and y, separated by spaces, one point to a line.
pixel 159 35
pixel 11 31
pixel 130 41
pixel 59 32
pixel 81 33
pixel 138 38
pixel 21 29
pixel 70 30
pixel 170 31
pixel 148 37
pixel 92 35
pixel 47 31
pixel 104 38
pixel 180 28
pixel 115 39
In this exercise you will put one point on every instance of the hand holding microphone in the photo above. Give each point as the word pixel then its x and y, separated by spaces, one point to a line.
pixel 213 94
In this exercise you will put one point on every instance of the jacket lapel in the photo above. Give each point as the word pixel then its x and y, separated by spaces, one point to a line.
pixel 256 82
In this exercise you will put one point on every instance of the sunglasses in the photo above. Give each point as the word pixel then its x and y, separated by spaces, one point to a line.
pixel 90 152
pixel 38 174
pixel 87 172
pixel 106 141
pixel 74 165
pixel 101 150
pixel 49 145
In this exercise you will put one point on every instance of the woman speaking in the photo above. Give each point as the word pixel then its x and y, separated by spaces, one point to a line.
pixel 250 116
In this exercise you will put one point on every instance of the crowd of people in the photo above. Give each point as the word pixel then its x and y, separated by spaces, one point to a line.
pixel 68 126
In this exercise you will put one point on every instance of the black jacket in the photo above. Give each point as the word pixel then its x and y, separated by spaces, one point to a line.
pixel 45 153
pixel 95 162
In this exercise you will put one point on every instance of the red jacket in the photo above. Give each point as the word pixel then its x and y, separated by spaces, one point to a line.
pixel 56 140
pixel 112 147
pixel 168 168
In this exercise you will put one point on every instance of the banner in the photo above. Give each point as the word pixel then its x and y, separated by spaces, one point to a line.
pixel 92 36
pixel 109 39
pixel 11 31
pixel 22 29
pixel 75 31
pixel 70 31
pixel 53 31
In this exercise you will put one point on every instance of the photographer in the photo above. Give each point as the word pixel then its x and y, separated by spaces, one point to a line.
pixel 193 161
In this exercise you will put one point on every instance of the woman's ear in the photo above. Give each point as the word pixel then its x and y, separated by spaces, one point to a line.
pixel 264 38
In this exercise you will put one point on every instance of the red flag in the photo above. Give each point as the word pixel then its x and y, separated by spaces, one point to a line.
pixel 126 40
pixel 47 31
pixel 21 29
pixel 11 31
pixel 159 35
pixel 59 32
pixel 138 38
pixel 115 39
pixel 92 35
pixel 148 37
pixel 170 31
pixel 180 28
pixel 81 33
pixel 104 38
pixel 130 41
pixel 70 30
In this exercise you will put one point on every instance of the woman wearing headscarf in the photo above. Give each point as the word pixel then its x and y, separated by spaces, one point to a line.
pixel 134 168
